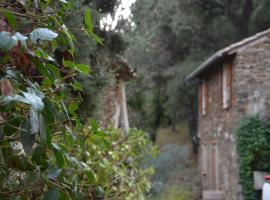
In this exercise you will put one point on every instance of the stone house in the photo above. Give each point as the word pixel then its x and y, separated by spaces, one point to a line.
pixel 114 110
pixel 233 83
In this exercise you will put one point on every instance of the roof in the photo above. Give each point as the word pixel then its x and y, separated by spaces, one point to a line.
pixel 227 52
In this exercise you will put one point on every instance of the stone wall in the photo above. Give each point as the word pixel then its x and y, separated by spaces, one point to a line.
pixel 250 95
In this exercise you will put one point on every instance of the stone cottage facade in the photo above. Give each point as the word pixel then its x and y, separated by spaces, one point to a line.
pixel 233 83
pixel 114 110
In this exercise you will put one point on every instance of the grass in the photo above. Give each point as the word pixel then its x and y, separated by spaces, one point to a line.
pixel 168 136
pixel 175 192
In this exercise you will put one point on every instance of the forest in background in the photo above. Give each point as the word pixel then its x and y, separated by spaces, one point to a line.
pixel 172 38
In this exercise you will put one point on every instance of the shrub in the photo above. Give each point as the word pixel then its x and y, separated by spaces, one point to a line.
pixel 253 146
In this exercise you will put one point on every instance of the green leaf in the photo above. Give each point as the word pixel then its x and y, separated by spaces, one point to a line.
pixel 53 45
pixel 90 175
pixel 77 86
pixel 39 156
pixel 69 37
pixel 7 41
pixel 72 107
pixel 41 68
pixel 52 172
pixel 84 69
pixel 54 70
pixel 88 25
pixel 69 64
pixel 42 54
pixel 11 126
pixel 11 18
pixel 42 34
pixel 52 194
pixel 59 155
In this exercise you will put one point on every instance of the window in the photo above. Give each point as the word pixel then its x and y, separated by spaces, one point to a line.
pixel 226 86
pixel 204 97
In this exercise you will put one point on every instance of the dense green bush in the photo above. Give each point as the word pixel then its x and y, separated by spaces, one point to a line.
pixel 45 151
pixel 253 145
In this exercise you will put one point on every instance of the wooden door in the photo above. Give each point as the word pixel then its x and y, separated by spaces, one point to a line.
pixel 210 172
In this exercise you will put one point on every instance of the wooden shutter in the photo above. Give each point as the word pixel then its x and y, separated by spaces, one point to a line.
pixel 226 85
pixel 204 97
pixel 229 83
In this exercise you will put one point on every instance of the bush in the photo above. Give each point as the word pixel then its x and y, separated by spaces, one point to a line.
pixel 253 146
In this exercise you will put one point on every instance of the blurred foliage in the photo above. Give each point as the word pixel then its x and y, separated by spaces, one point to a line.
pixel 98 56
pixel 45 150
pixel 169 40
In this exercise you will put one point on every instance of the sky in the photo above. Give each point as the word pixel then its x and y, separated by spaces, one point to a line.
pixel 122 10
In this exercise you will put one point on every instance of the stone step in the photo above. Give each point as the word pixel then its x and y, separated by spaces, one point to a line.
pixel 213 195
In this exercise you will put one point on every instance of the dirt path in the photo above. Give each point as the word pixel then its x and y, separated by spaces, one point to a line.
pixel 176 175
